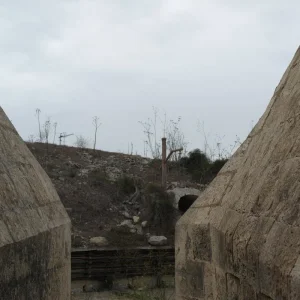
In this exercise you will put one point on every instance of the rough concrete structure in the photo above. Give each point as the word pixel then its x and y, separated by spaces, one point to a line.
pixel 34 227
pixel 241 238
pixel 181 192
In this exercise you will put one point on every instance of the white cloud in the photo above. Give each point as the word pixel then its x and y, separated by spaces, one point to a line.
pixel 217 61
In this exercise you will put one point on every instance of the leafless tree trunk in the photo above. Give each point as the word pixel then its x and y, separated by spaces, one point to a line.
pixel 54 134
pixel 46 132
pixel 38 111
pixel 96 125
pixel 164 163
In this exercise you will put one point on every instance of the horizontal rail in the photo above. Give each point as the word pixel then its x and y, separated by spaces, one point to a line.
pixel 98 264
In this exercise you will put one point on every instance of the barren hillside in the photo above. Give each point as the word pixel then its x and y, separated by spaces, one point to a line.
pixel 103 190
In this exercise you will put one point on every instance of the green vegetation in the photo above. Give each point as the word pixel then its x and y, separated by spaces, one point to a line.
pixel 126 185
pixel 160 207
pixel 201 168
pixel 97 177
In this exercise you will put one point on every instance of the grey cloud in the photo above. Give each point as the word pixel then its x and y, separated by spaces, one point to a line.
pixel 203 60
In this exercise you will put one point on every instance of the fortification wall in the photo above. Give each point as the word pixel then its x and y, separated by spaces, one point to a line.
pixel 34 226
pixel 241 238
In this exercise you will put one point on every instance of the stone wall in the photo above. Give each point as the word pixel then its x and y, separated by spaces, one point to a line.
pixel 241 238
pixel 34 227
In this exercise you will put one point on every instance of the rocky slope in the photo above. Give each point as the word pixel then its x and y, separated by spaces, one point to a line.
pixel 104 193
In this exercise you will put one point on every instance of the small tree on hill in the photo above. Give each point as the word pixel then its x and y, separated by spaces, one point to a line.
pixel 96 125
pixel 54 134
pixel 201 167
pixel 169 129
pixel 81 142
pixel 38 112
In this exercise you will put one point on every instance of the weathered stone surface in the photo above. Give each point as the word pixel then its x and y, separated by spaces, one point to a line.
pixel 126 215
pixel 158 240
pixel 35 239
pixel 127 223
pixel 99 241
pixel 144 224
pixel 139 229
pixel 240 239
pixel 180 192
pixel 136 219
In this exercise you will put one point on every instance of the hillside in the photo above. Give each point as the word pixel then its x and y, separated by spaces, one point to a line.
pixel 100 190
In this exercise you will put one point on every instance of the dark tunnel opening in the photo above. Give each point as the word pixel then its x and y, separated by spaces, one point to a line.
pixel 185 202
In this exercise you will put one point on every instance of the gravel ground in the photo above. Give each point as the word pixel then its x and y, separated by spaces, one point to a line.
pixel 158 294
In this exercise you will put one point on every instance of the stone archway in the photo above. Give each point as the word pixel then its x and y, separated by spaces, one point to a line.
pixel 185 202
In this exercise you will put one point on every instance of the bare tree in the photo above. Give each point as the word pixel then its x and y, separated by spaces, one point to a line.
pixel 38 112
pixel 131 152
pixel 170 130
pixel 81 142
pixel 175 139
pixel 150 130
pixel 31 138
pixel 54 134
pixel 96 125
pixel 215 149
pixel 47 130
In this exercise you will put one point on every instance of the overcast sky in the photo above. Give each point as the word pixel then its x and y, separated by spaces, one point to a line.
pixel 215 61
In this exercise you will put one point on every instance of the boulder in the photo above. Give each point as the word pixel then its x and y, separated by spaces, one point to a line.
pixel 139 229
pixel 136 219
pixel 144 224
pixel 127 223
pixel 158 240
pixel 126 215
pixel 99 241
pixel 113 173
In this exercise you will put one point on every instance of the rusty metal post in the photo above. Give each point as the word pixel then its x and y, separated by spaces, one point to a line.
pixel 164 163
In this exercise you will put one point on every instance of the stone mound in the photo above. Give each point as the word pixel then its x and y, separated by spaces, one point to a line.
pixel 34 226
pixel 241 238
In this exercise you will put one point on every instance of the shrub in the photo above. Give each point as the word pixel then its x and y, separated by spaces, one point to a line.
pixel 97 177
pixel 197 164
pixel 81 142
pixel 160 209
pixel 73 173
pixel 201 168
pixel 217 165
pixel 126 185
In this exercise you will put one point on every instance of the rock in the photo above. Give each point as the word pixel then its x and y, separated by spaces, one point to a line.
pixel 83 172
pixel 126 215
pixel 89 288
pixel 144 224
pixel 148 235
pixel 113 173
pixel 158 240
pixel 136 219
pixel 127 223
pixel 139 229
pixel 99 241
pixel 145 161
pixel 69 209
pixel 133 230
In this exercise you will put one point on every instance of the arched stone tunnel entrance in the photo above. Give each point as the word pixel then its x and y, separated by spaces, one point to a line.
pixel 185 202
